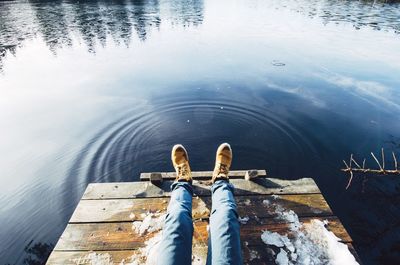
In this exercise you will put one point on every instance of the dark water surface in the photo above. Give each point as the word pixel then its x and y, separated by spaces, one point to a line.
pixel 99 91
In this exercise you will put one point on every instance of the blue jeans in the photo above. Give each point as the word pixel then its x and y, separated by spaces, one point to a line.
pixel 224 234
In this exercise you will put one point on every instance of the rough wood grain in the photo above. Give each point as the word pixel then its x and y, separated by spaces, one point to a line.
pixel 87 257
pixel 102 222
pixel 121 236
pixel 120 210
pixel 204 174
pixel 257 255
pixel 202 188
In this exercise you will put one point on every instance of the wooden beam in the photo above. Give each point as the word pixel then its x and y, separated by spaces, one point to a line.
pixel 233 174
pixel 156 178
pixel 251 174
pixel 258 186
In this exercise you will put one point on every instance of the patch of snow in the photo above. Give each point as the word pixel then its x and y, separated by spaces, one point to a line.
pixel 266 202
pixel 310 243
pixel 247 202
pixel 288 216
pixel 273 238
pixel 151 223
pixel 94 258
pixel 337 252
pixel 254 255
pixel 282 258
pixel 274 196
pixel 147 255
pixel 244 220
pixel 293 256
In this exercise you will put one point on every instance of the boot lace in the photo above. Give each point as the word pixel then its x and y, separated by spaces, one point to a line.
pixel 222 169
pixel 183 170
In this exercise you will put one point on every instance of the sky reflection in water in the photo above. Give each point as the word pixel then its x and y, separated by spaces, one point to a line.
pixel 100 92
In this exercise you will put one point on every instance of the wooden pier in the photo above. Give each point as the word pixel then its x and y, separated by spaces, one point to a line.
pixel 101 229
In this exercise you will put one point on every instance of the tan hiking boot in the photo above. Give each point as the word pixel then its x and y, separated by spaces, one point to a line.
pixel 180 160
pixel 223 162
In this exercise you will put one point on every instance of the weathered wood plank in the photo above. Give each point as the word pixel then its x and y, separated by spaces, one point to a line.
pixel 121 236
pixel 128 209
pixel 201 188
pixel 267 206
pixel 251 231
pixel 204 174
pixel 120 210
pixel 89 257
pixel 257 254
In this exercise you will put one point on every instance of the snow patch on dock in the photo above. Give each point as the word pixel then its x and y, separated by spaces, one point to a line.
pixel 309 243
pixel 147 255
pixel 94 258
pixel 151 223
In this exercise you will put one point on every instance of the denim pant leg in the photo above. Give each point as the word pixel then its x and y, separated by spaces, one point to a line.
pixel 176 243
pixel 224 235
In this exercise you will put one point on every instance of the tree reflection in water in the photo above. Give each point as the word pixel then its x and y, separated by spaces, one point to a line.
pixel 37 253
pixel 93 21
pixel 96 21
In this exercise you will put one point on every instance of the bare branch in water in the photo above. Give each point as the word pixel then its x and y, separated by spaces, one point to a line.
pixel 355 162
pixel 376 159
pixel 359 169
pixel 350 179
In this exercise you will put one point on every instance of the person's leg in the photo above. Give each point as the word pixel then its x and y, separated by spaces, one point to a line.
pixel 176 244
pixel 224 234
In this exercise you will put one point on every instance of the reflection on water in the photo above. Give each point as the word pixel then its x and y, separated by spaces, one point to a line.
pixel 37 253
pixel 97 20
pixel 99 91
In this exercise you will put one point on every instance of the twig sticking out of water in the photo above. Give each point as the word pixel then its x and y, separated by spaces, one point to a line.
pixel 358 169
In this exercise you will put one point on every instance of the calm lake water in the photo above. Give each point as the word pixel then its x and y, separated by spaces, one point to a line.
pixel 99 91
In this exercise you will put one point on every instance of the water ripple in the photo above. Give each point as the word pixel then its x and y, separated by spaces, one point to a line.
pixel 142 142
